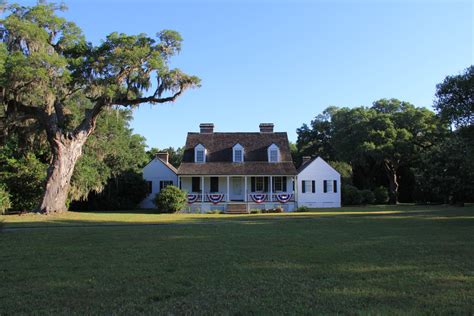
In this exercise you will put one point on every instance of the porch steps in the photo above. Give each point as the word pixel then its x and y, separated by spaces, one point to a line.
pixel 236 209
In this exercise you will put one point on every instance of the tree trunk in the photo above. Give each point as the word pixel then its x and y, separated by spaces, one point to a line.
pixel 65 153
pixel 391 173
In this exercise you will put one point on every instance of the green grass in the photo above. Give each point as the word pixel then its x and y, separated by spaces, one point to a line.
pixel 373 260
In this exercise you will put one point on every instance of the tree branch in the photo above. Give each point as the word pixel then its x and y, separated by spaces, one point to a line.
pixel 151 99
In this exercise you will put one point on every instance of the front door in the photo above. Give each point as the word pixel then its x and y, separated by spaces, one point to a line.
pixel 236 190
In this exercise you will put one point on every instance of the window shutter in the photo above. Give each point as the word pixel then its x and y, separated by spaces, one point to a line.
pixel 303 187
pixel 313 186
pixel 325 184
pixel 252 185
pixel 284 183
pixel 335 186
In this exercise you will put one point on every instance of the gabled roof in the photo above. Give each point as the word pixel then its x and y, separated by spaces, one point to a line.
pixel 170 166
pixel 303 166
pixel 219 158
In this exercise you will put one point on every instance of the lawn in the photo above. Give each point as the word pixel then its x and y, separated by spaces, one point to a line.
pixel 373 260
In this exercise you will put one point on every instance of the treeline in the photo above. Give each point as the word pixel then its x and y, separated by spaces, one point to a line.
pixel 391 151
pixel 417 154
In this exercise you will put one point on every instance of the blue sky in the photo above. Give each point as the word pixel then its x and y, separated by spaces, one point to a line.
pixel 286 61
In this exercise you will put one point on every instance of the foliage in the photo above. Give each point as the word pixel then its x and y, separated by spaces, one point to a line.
pixel 455 98
pixel 367 196
pixel 123 192
pixel 278 209
pixel 23 176
pixel 175 155
pixel 388 136
pixel 170 200
pixel 52 79
pixel 381 195
pixel 303 209
pixel 351 195
pixel 344 169
pixel 255 211
pixel 112 152
pixel 5 203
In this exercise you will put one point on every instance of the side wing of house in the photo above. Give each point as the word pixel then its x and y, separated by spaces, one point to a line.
pixel 319 185
pixel 158 174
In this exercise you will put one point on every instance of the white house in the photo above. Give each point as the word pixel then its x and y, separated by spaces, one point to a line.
pixel 158 173
pixel 319 184
pixel 238 172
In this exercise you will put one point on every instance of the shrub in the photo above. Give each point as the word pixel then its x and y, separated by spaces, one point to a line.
pixel 256 211
pixel 368 197
pixel 381 195
pixel 170 200
pixel 5 203
pixel 302 209
pixel 351 195
pixel 214 212
pixel 278 209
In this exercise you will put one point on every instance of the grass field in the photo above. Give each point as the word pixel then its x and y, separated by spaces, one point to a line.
pixel 373 260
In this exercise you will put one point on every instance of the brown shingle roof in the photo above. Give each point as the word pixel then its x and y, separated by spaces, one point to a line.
pixel 219 154
pixel 251 168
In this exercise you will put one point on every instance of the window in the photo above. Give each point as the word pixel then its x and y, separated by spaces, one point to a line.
pixel 165 183
pixel 214 184
pixel 238 153
pixel 259 184
pixel 200 154
pixel 330 186
pixel 196 184
pixel 279 184
pixel 308 186
pixel 273 155
pixel 150 186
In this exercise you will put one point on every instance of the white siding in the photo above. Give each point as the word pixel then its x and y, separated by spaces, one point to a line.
pixel 318 170
pixel 155 172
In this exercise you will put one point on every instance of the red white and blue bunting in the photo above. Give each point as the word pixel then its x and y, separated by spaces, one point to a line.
pixel 283 197
pixel 215 198
pixel 258 197
pixel 192 198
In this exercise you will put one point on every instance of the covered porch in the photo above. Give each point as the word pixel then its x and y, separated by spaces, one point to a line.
pixel 207 193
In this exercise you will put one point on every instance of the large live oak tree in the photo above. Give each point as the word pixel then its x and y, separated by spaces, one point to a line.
pixel 46 64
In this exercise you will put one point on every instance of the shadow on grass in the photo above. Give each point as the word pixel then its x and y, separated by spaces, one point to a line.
pixel 148 218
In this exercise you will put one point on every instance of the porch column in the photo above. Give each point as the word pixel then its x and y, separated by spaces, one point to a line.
pixel 228 191
pixel 295 191
pixel 245 189
pixel 202 194
pixel 271 188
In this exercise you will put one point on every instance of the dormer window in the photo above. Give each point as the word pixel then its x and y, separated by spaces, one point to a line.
pixel 238 153
pixel 200 154
pixel 273 153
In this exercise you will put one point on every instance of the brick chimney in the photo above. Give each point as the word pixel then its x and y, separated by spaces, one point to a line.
pixel 163 156
pixel 306 159
pixel 206 128
pixel 266 127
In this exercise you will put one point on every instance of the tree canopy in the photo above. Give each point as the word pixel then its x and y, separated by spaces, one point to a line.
pixel 51 75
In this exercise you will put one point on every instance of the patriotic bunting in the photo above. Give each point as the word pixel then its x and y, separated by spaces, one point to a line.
pixel 192 198
pixel 284 197
pixel 258 198
pixel 215 198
